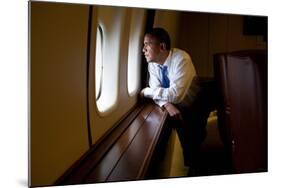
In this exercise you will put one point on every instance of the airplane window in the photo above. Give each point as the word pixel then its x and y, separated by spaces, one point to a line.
pixel 108 49
pixel 134 57
pixel 99 62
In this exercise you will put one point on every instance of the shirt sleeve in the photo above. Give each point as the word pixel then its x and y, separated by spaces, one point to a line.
pixel 154 85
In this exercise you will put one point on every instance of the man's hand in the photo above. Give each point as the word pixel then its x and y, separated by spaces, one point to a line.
pixel 173 111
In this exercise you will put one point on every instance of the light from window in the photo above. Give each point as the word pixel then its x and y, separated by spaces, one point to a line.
pixel 99 62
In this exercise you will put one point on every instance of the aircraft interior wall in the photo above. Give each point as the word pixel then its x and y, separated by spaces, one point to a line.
pixel 58 89
pixel 74 101
pixel 59 46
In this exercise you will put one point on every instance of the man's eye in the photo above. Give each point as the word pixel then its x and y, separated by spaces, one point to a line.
pixel 147 44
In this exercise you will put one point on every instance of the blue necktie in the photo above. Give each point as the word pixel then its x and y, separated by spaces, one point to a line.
pixel 165 82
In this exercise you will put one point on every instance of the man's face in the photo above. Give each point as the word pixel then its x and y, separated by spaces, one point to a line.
pixel 151 49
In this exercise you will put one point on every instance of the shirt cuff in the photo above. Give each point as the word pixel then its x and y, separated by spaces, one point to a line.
pixel 160 102
pixel 148 92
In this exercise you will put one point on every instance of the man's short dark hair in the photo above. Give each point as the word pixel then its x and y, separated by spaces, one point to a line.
pixel 161 35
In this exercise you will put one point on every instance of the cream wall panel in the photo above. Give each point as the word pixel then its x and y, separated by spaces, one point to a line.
pixel 102 123
pixel 169 20
pixel 238 41
pixel 218 37
pixel 58 89
pixel 203 35
pixel 194 38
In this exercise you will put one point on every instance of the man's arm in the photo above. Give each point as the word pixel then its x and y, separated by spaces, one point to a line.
pixel 171 109
pixel 154 85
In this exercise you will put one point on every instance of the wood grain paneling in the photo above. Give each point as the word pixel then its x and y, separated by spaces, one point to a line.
pixel 126 153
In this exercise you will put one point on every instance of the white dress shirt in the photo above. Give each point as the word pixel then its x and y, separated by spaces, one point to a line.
pixel 182 75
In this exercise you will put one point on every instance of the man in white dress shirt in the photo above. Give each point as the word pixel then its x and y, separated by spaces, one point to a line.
pixel 172 84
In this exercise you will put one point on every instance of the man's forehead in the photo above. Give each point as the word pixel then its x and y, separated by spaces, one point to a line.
pixel 149 37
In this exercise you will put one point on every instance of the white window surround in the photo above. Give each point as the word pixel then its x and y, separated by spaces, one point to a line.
pixel 135 50
pixel 111 20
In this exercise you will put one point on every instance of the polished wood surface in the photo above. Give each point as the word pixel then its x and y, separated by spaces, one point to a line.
pixel 125 153
pixel 135 160
pixel 84 166
pixel 108 162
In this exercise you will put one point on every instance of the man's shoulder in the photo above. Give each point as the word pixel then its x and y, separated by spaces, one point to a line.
pixel 177 50
pixel 180 54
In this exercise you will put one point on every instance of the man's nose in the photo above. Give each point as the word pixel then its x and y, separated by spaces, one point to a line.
pixel 143 49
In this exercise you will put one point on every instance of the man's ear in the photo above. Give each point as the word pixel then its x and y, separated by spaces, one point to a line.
pixel 163 46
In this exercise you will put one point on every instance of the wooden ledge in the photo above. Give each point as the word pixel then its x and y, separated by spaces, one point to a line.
pixel 125 153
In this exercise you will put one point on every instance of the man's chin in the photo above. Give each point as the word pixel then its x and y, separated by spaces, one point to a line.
pixel 148 60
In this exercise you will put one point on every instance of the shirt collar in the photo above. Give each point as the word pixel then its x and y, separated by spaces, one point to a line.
pixel 167 61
